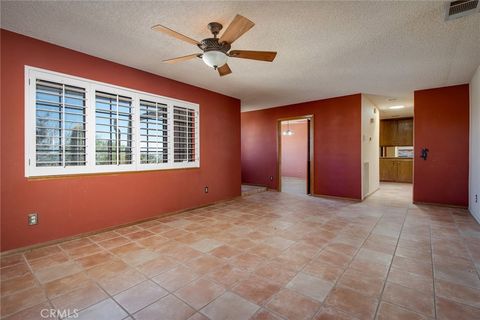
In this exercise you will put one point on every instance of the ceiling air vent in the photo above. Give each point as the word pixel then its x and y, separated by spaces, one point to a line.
pixel 458 9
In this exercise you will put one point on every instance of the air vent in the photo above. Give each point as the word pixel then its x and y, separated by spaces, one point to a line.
pixel 458 9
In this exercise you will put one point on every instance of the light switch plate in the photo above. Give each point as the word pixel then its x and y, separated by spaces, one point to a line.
pixel 32 219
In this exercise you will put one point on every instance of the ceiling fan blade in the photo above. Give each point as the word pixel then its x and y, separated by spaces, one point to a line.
pixel 224 70
pixel 237 27
pixel 174 34
pixel 181 59
pixel 254 55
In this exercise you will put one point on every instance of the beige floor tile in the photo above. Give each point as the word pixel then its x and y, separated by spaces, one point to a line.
pixel 256 289
pixel 352 302
pixel 388 311
pixel 199 293
pixel 14 271
pixel 105 310
pixel 408 298
pixel 411 280
pixel 121 281
pixel 140 296
pixel 227 275
pixel 42 252
pixel 247 261
pixel 324 270
pixel 308 285
pixel 31 313
pixel 57 271
pixel 80 298
pixel 95 259
pixel 206 245
pixel 169 307
pixel 66 284
pixel 225 252
pixel 176 278
pixel 22 300
pixel 458 293
pixel 264 314
pixel 11 260
pixel 230 306
pixel 48 261
pixel 450 310
pixel 205 263
pixel 158 265
pixel 361 282
pixel 329 313
pixel 17 284
pixel 292 305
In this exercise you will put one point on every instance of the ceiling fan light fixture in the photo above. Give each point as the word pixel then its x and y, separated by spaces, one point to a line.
pixel 214 58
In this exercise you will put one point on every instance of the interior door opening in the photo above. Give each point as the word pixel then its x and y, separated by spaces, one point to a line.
pixel 395 147
pixel 295 155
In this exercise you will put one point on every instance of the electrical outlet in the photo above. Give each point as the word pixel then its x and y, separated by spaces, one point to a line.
pixel 206 189
pixel 271 178
pixel 32 219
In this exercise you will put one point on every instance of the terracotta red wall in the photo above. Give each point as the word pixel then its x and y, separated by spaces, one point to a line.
pixel 337 154
pixel 295 151
pixel 441 123
pixel 73 205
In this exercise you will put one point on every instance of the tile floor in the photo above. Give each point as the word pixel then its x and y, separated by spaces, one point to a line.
pixel 294 185
pixel 265 256
pixel 249 189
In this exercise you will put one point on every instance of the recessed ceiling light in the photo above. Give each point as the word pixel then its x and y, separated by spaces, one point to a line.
pixel 396 107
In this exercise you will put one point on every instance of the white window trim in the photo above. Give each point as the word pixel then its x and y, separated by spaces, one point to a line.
pixel 32 73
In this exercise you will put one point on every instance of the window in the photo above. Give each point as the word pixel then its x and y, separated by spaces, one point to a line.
pixel 113 129
pixel 153 132
pixel 184 134
pixel 60 125
pixel 76 126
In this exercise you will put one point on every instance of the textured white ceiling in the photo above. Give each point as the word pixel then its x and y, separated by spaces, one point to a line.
pixel 384 103
pixel 325 49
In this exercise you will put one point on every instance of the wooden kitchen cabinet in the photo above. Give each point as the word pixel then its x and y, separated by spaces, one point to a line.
pixel 404 135
pixel 404 170
pixel 396 132
pixel 396 170
pixel 388 170
pixel 388 129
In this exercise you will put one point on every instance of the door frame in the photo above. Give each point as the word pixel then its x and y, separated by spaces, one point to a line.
pixel 310 151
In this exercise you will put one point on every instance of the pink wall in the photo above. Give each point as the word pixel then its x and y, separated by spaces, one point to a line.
pixel 441 122
pixel 76 204
pixel 295 151
pixel 337 149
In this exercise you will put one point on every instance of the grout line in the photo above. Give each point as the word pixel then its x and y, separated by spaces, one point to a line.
pixel 391 263
pixel 433 272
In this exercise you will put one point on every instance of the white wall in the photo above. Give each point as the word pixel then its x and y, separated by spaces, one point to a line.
pixel 474 172
pixel 370 147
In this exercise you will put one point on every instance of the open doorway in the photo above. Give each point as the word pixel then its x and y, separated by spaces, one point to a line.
pixel 295 155
pixel 395 146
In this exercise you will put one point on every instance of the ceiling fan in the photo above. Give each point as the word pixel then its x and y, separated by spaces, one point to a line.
pixel 216 50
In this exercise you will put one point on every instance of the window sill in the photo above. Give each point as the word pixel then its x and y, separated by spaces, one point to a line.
pixel 91 174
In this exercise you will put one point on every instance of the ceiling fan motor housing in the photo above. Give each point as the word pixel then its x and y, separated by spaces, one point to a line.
pixel 212 44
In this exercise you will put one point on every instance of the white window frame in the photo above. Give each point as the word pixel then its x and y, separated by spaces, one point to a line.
pixel 91 86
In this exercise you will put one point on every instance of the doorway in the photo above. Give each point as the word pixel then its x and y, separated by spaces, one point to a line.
pixel 295 155
pixel 394 146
